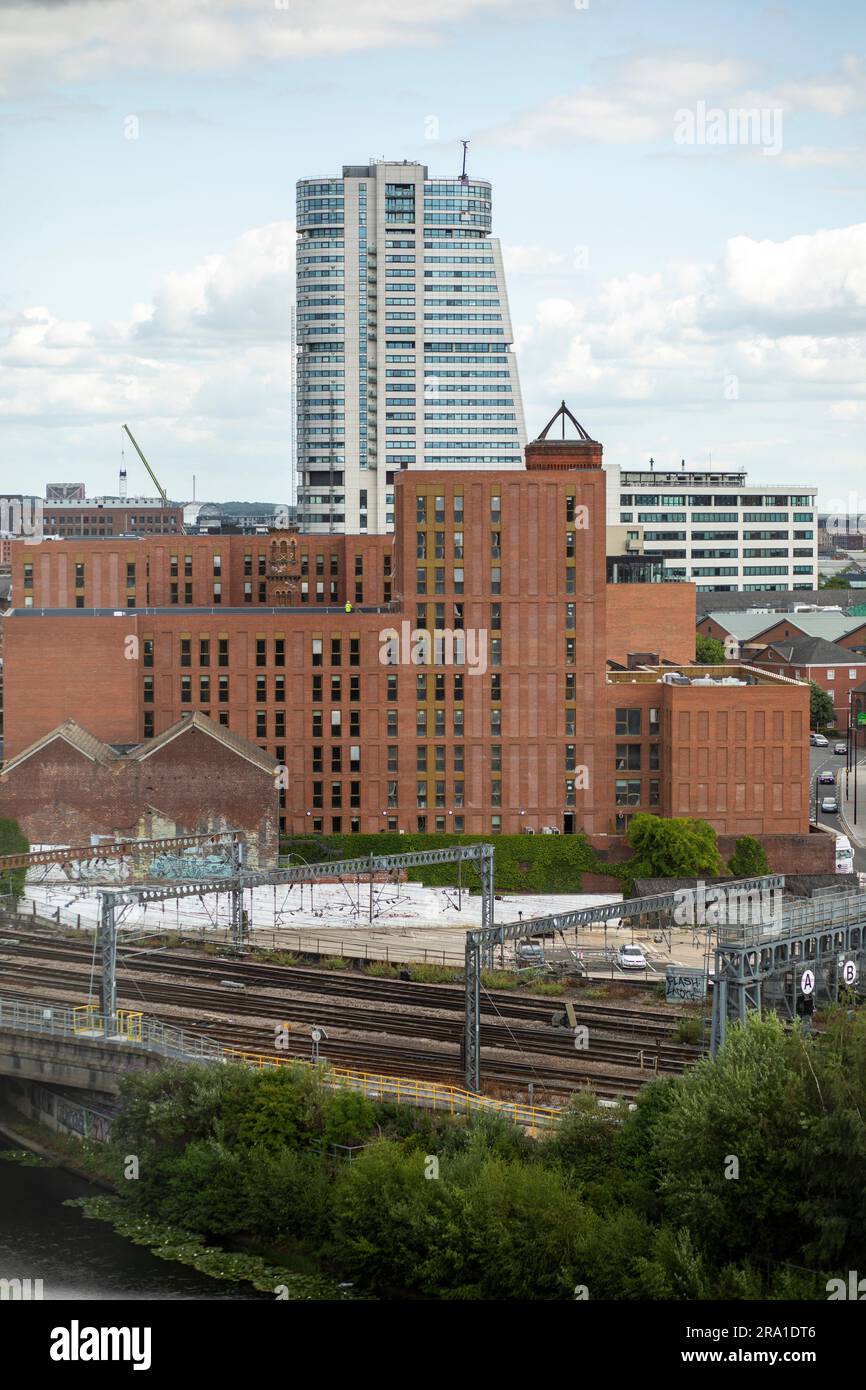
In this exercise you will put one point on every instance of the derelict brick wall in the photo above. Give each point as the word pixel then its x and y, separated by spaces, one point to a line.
pixel 193 785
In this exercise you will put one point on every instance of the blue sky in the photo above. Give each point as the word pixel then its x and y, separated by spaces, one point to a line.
pixel 688 299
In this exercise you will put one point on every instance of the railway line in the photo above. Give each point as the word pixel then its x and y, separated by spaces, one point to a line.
pixel 625 1047
pixel 346 984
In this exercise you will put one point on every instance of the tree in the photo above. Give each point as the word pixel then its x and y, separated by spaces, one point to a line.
pixel 672 848
pixel 836 581
pixel 709 650
pixel 748 859
pixel 821 712
pixel 12 841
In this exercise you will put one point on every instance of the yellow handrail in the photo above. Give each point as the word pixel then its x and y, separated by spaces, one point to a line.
pixel 408 1089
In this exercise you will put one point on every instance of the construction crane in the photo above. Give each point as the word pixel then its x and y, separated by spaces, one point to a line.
pixel 159 487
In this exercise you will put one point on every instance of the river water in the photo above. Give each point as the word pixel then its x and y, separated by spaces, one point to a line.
pixel 75 1258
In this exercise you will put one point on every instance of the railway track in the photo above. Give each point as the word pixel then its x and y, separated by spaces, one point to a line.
pixel 192 986
pixel 648 1023
pixel 397 1060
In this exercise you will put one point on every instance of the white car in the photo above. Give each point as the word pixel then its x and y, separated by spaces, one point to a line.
pixel 829 805
pixel 820 741
pixel 631 958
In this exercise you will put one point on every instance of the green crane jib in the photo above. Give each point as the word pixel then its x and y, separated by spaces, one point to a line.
pixel 159 487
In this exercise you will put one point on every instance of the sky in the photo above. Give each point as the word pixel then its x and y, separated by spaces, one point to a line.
pixel 679 188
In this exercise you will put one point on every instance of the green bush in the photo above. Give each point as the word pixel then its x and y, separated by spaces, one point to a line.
pixel 522 863
pixel 749 859
pixel 12 841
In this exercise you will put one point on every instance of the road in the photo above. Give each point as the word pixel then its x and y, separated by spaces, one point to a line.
pixel 825 760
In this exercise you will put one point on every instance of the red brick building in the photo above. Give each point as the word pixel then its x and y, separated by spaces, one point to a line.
pixel 195 778
pixel 831 665
pixel 304 645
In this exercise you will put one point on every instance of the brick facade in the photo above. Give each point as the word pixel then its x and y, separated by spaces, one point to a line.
pixel 63 793
pixel 660 617
pixel 524 738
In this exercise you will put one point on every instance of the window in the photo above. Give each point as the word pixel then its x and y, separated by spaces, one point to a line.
pixel 147 657
pixel 654 794
pixel 280 689
pixel 223 657
pixel 831 675
pixel 317 723
pixel 204 690
pixel 279 651
pixel 317 651
pixel 148 690
pixel 653 722
pixel 628 757
pixel 496 580
pixel 223 690
pixel 336 651
pixel 186 690
pixel 185 651
pixel 336 688
pixel 628 721
pixel 654 755
pixel 627 793
pixel 261 690
pixel 317 690
pixel 204 651
pixel 261 723
pixel 392 758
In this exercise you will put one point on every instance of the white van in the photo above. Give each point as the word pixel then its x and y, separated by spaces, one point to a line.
pixel 844 855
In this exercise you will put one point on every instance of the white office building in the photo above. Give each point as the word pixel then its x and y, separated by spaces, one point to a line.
pixel 404 340
pixel 714 529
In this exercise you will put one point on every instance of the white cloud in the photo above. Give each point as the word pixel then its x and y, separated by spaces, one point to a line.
pixel 79 40
pixel 638 97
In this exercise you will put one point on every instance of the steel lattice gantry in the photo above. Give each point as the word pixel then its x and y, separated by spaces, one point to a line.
pixel 239 880
pixel 649 911
pixel 764 964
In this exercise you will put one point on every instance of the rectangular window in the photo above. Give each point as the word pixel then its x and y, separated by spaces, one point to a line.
pixel 223 690
pixel 204 651
pixel 628 757
pixel 628 721
pixel 186 651
pixel 186 690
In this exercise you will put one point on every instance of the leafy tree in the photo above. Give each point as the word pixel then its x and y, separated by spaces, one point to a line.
pixel 672 848
pixel 836 581
pixel 709 650
pixel 821 711
pixel 749 859
pixel 12 841
pixel 745 1106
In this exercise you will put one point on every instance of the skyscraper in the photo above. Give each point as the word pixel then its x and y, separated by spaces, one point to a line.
pixel 404 340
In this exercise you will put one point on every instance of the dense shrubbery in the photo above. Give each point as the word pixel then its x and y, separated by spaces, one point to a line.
pixel 636 1204
pixel 551 863
pixel 12 841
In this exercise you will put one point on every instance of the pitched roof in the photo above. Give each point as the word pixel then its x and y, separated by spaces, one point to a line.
pixel 241 746
pixel 71 733
pixel 747 626
pixel 813 651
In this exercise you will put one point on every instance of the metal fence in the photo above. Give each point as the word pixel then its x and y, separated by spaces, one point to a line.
pixel 85 1023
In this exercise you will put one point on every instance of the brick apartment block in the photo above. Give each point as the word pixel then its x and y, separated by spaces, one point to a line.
pixel 282 639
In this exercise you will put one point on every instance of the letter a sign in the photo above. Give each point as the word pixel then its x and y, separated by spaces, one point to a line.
pixel 807 982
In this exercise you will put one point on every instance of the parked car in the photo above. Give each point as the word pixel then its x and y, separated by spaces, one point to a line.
pixel 827 779
pixel 841 749
pixel 819 741
pixel 829 805
pixel 631 958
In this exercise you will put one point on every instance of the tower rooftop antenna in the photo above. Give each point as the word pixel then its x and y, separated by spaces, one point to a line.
pixel 464 177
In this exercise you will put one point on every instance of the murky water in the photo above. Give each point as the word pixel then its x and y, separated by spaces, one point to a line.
pixel 75 1258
